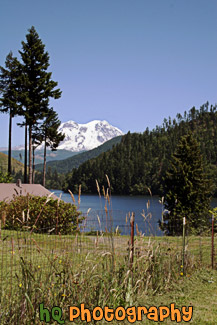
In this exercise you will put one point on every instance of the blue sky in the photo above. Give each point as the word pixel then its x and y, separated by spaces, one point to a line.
pixel 131 63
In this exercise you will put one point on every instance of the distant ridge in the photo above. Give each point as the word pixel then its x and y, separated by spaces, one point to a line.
pixel 39 155
pixel 16 165
pixel 66 165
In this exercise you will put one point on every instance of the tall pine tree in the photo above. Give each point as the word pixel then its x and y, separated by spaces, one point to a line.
pixel 187 192
pixel 38 87
pixel 9 89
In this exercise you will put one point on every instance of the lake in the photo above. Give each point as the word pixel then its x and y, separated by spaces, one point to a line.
pixel 147 209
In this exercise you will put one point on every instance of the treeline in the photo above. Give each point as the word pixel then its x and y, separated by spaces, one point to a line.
pixel 140 161
pixel 54 180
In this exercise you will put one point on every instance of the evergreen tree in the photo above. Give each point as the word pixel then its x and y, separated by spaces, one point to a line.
pixel 9 90
pixel 37 84
pixel 186 189
pixel 49 135
pixel 36 141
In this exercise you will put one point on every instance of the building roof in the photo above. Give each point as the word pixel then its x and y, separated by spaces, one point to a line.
pixel 9 190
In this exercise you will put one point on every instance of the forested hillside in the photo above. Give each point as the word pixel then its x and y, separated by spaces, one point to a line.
pixel 140 161
pixel 66 165
pixel 17 166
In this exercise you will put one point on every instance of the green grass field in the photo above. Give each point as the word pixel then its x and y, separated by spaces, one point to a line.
pixel 95 270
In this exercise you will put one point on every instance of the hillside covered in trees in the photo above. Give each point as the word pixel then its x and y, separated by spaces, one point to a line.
pixel 65 165
pixel 16 165
pixel 140 161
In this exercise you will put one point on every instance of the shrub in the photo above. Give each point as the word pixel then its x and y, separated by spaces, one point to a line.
pixel 40 213
pixel 5 178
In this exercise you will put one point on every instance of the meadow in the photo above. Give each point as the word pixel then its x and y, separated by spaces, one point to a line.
pixel 98 270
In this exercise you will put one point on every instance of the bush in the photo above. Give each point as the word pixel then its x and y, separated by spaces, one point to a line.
pixel 5 178
pixel 40 213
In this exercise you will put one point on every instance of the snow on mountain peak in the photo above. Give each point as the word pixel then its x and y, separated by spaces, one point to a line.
pixel 79 137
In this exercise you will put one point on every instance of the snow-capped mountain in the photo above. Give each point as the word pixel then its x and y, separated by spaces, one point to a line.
pixel 83 137
pixel 80 137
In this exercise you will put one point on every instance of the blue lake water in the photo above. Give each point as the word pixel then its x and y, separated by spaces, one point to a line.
pixel 148 211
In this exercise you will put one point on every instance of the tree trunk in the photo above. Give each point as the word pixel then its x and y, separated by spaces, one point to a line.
pixel 33 164
pixel 44 167
pixel 9 143
pixel 25 155
pixel 30 154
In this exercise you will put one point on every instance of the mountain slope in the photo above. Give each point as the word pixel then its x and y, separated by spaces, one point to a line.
pixel 140 161
pixel 39 155
pixel 78 138
pixel 83 137
pixel 66 165
pixel 16 165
